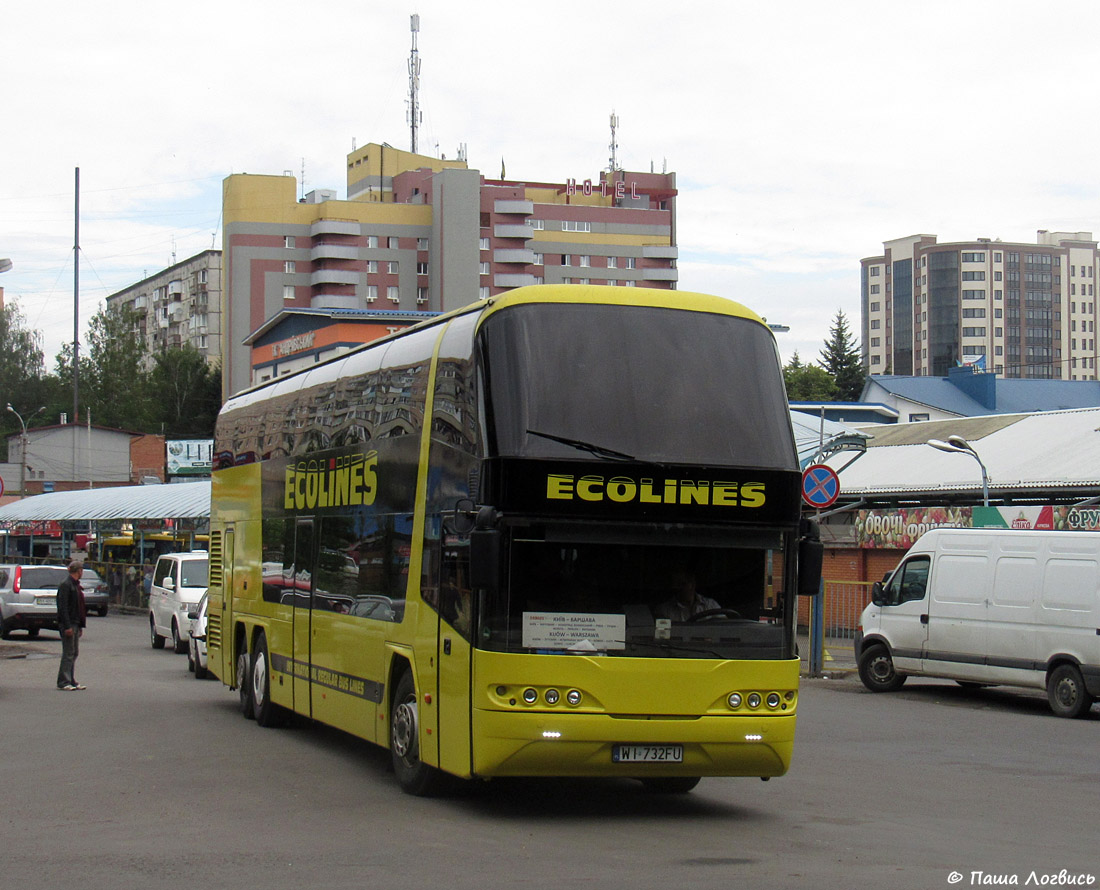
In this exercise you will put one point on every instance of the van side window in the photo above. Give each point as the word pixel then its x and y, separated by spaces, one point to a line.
pixel 909 582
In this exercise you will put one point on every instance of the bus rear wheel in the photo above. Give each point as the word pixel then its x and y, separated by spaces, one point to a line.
pixel 244 680
pixel 413 775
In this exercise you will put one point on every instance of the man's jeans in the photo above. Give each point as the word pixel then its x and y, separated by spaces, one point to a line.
pixel 70 648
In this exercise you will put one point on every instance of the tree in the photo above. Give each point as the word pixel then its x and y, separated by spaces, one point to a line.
pixel 188 392
pixel 22 369
pixel 808 383
pixel 840 358
pixel 115 384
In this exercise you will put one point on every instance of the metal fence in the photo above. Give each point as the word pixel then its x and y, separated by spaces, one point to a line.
pixel 843 603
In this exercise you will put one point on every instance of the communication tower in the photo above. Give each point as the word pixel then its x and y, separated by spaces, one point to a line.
pixel 414 115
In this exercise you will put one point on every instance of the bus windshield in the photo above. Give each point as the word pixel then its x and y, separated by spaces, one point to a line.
pixel 672 386
pixel 641 598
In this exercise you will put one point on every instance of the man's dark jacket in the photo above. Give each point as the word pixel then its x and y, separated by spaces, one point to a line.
pixel 70 605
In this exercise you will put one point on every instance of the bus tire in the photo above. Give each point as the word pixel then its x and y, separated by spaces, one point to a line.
pixel 1066 692
pixel 244 680
pixel 670 784
pixel 413 775
pixel 876 670
pixel 266 712
pixel 155 639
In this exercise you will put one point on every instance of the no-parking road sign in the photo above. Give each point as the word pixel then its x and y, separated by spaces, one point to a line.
pixel 820 486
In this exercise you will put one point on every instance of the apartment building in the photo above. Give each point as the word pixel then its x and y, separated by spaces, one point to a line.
pixel 308 278
pixel 1020 310
pixel 181 304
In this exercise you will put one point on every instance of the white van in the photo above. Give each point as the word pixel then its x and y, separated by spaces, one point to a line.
pixel 989 607
pixel 179 581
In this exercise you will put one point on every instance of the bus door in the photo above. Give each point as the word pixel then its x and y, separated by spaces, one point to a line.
pixel 298 590
pixel 456 624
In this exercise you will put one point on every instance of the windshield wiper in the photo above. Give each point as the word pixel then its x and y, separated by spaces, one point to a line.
pixel 598 450
pixel 672 647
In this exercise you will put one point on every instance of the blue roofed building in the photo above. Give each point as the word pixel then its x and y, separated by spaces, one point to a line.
pixel 968 392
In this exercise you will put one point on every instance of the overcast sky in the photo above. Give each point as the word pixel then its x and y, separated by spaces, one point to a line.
pixel 803 134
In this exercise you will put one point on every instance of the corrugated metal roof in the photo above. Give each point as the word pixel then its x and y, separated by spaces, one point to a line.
pixel 816 438
pixel 186 500
pixel 1051 451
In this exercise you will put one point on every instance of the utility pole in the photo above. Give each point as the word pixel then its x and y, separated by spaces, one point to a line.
pixel 76 304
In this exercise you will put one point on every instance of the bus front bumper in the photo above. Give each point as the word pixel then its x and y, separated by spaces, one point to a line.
pixel 563 744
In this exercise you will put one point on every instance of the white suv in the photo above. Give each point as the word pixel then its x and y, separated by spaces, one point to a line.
pixel 179 581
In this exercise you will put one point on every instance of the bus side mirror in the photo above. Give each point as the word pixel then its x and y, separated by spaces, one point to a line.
pixel 876 593
pixel 485 553
pixel 811 556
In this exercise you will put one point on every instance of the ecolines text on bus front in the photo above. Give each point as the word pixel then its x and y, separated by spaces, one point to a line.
pixel 623 489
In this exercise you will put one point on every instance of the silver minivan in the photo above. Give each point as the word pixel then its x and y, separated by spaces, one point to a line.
pixel 179 581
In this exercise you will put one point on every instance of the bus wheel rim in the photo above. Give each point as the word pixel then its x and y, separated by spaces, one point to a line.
pixel 259 675
pixel 404 728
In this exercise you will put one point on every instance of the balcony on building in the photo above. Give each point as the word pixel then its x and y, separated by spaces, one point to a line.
pixel 141 304
pixel 660 252
pixel 514 206
pixel 514 255
pixel 328 226
pixel 333 276
pixel 335 301
pixel 505 230
pixel 333 252
pixel 514 280
pixel 660 275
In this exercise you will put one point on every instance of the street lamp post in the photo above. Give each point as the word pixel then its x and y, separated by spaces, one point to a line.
pixel 23 450
pixel 959 445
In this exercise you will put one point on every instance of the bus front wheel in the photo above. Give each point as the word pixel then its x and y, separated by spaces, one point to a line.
pixel 266 712
pixel 413 775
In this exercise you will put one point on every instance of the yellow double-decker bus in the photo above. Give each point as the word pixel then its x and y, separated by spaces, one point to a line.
pixel 556 533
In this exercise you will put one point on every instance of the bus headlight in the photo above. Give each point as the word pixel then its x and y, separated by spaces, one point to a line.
pixel 552 696
pixel 573 696
pixel 530 696
pixel 734 700
pixel 773 699
pixel 754 700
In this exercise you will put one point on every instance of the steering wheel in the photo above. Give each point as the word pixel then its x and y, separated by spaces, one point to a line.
pixel 713 613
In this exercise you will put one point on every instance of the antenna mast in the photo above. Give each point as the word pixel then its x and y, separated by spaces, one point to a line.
pixel 415 117
pixel 614 146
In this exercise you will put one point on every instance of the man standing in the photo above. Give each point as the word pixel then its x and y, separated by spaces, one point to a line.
pixel 71 619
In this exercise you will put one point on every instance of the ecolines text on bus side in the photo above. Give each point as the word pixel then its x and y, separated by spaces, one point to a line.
pixel 624 489
pixel 333 481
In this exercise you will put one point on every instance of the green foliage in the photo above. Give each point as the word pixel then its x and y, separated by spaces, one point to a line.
pixel 840 357
pixel 175 393
pixel 808 383
pixel 188 392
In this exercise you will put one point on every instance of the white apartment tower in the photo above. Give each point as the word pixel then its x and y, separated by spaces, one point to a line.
pixel 178 305
pixel 1020 310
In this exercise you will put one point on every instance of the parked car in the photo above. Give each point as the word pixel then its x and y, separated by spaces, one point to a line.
pixel 28 598
pixel 196 641
pixel 179 581
pixel 96 595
